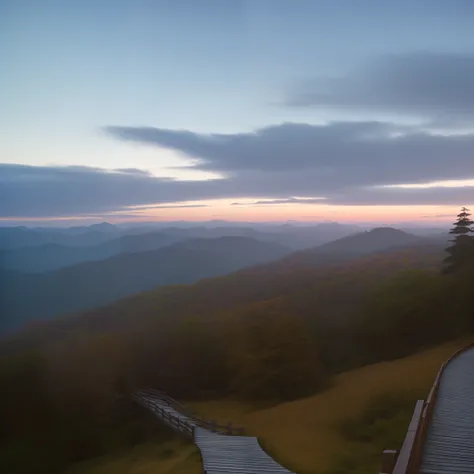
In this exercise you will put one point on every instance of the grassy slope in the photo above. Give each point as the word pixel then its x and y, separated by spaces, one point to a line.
pixel 173 457
pixel 303 435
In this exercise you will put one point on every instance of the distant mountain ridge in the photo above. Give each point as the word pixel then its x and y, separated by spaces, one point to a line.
pixel 353 246
pixel 370 241
pixel 17 237
pixel 92 284
pixel 49 257
pixel 349 248
pixel 296 235
pixel 336 285
pixel 40 250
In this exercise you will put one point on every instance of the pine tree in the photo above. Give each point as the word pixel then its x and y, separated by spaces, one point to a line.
pixel 461 252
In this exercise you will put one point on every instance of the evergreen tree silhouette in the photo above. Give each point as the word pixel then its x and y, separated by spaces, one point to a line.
pixel 461 252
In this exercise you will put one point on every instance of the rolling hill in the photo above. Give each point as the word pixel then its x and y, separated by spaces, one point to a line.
pixel 93 284
pixel 18 237
pixel 353 246
pixel 335 288
pixel 51 256
pixel 295 237
pixel 262 271
pixel 38 250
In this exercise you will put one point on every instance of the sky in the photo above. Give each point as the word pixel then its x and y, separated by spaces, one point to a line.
pixel 267 110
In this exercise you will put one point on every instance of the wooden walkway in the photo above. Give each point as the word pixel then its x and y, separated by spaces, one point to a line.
pixel 221 452
pixel 440 438
pixel 449 444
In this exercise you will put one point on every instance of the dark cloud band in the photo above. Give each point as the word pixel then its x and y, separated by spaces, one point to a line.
pixel 345 163
pixel 425 85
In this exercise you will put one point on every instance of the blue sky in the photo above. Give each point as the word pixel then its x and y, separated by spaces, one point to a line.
pixel 112 85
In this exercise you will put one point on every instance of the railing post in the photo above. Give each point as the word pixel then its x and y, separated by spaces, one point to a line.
pixel 389 459
pixel 229 428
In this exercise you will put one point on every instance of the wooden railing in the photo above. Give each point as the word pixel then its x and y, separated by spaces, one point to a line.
pixel 176 423
pixel 219 453
pixel 408 460
pixel 210 425
pixel 170 401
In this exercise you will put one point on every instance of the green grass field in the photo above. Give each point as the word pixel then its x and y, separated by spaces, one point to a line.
pixel 342 429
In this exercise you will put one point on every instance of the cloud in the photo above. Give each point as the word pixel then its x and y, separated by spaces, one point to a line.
pixel 346 163
pixel 30 191
pixel 436 216
pixel 133 171
pixel 328 156
pixel 98 192
pixel 174 206
pixel 282 147
pixel 398 196
pixel 321 157
pixel 271 202
pixel 112 216
pixel 426 85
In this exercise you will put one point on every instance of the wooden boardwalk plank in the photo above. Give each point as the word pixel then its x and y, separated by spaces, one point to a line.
pixel 221 453
pixel 449 446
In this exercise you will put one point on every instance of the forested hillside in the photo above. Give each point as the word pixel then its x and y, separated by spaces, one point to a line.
pixel 133 268
pixel 354 246
pixel 260 335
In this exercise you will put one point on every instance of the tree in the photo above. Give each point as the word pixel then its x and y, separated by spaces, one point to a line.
pixel 461 252
pixel 273 357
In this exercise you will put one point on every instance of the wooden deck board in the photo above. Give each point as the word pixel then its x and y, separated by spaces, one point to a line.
pixel 221 453
pixel 449 446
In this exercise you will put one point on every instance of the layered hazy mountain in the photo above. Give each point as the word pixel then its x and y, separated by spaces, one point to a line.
pixel 76 278
pixel 52 256
pixel 17 237
pixel 38 250
pixel 352 246
pixel 86 285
